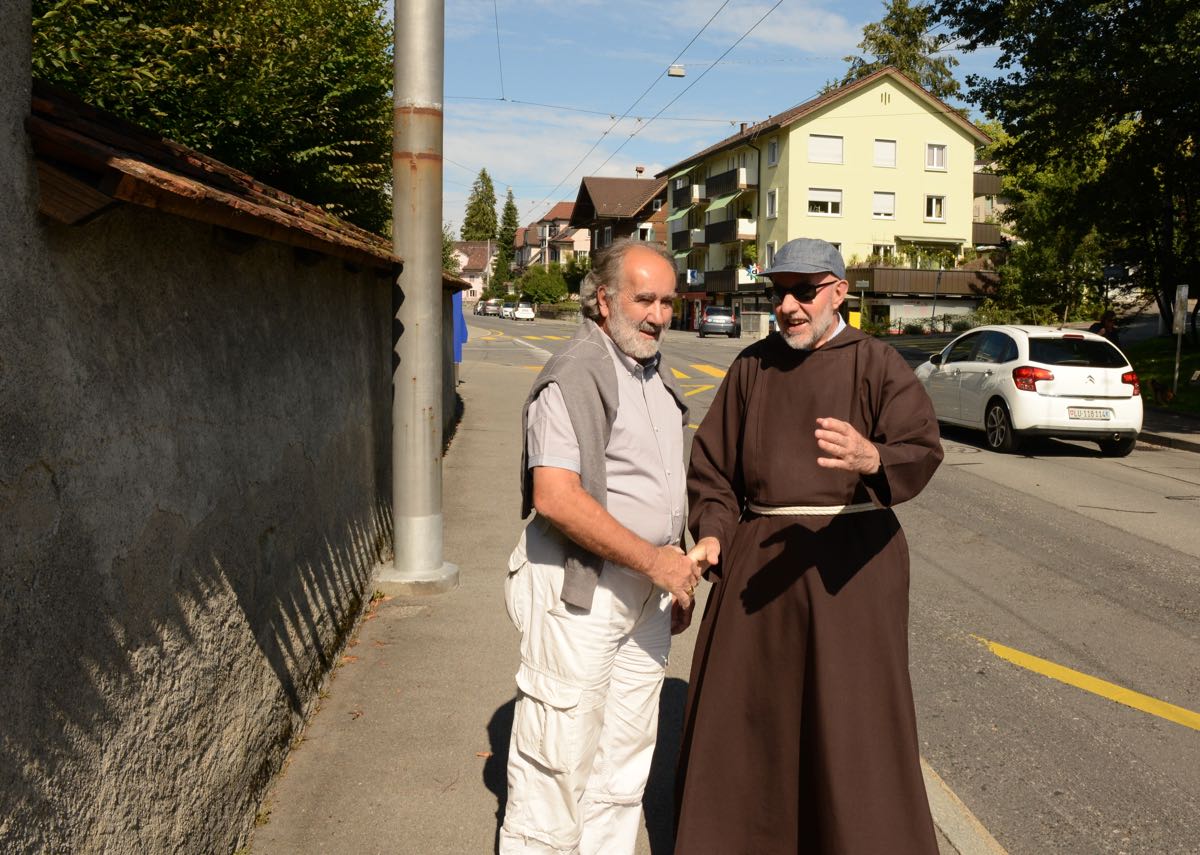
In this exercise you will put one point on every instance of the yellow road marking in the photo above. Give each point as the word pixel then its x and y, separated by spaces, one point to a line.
pixel 532 337
pixel 1095 685
pixel 710 370
pixel 679 375
pixel 555 337
pixel 694 427
pixel 533 367
pixel 699 389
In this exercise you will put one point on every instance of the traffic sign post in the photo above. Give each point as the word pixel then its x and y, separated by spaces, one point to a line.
pixel 1181 301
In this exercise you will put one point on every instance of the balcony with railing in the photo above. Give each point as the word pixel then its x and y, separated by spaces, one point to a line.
pixel 730 280
pixel 681 240
pixel 985 234
pixel 697 237
pixel 730 181
pixel 692 194
pixel 727 231
pixel 904 280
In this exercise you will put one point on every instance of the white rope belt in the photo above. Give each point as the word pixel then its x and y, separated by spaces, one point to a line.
pixel 810 510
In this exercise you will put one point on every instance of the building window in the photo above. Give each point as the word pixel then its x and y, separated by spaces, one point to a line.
pixel 883 206
pixel 824 149
pixel 607 235
pixel 935 156
pixel 885 153
pixel 554 253
pixel 935 208
pixel 883 250
pixel 824 203
pixel 772 204
pixel 772 152
pixel 770 259
pixel 681 182
pixel 657 204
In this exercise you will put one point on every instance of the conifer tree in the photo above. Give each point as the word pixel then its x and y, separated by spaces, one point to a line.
pixel 479 221
pixel 508 234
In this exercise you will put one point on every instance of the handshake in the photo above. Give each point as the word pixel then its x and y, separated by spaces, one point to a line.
pixel 678 572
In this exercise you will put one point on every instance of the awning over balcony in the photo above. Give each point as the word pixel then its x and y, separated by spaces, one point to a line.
pixel 922 239
pixel 721 201
pixel 683 254
pixel 680 174
pixel 682 212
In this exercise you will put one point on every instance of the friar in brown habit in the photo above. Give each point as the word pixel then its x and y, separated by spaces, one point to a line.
pixel 800 734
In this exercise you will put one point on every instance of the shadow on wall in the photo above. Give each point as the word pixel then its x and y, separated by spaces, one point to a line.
pixel 194 495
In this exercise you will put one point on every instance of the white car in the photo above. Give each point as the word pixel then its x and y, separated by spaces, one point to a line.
pixel 523 312
pixel 1017 381
pixel 506 311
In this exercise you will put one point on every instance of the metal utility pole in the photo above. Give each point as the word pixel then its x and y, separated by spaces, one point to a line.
pixel 936 284
pixel 418 567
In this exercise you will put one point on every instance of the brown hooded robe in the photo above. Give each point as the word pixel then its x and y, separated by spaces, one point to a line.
pixel 800 734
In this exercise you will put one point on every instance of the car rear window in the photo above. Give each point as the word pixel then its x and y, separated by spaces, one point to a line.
pixel 718 311
pixel 1075 351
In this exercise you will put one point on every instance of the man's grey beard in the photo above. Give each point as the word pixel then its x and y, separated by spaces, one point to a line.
pixel 806 342
pixel 625 336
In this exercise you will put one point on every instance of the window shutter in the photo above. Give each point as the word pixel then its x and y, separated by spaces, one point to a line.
pixel 824 149
pixel 885 153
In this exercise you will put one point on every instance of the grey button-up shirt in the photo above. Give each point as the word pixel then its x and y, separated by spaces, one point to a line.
pixel 644 459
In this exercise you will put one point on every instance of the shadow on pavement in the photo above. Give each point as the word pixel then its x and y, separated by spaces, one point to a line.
pixel 659 803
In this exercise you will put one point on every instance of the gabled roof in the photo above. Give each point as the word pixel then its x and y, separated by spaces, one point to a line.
pixel 614 198
pixel 561 211
pixel 801 111
pixel 479 253
pixel 567 235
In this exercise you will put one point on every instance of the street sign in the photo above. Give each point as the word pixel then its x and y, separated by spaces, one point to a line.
pixel 862 284
pixel 1181 301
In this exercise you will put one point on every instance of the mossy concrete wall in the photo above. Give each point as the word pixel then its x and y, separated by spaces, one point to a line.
pixel 194 481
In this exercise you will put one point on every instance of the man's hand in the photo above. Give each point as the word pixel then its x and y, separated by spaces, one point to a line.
pixel 848 449
pixel 681 617
pixel 706 552
pixel 674 572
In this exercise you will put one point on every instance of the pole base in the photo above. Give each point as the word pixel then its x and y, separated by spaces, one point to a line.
pixel 427 583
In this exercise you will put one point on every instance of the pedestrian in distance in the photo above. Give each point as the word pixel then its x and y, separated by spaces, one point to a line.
pixel 800 733
pixel 1107 327
pixel 598 581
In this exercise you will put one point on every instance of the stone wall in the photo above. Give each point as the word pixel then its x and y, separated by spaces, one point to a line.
pixel 194 480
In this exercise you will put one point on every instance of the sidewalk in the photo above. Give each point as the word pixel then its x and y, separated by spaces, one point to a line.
pixel 407 751
pixel 1172 430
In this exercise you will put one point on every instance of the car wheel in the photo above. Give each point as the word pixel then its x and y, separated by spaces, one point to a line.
pixel 1117 447
pixel 999 430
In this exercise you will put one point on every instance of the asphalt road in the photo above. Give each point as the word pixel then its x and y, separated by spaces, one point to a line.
pixel 1055 624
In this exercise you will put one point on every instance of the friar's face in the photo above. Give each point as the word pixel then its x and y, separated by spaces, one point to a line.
pixel 806 307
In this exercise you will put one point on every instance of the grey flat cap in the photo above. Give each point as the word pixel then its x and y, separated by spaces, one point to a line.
pixel 808 255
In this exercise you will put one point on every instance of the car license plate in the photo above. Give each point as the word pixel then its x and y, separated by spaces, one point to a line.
pixel 1093 413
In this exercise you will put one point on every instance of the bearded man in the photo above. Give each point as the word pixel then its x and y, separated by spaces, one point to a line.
pixel 800 734
pixel 598 581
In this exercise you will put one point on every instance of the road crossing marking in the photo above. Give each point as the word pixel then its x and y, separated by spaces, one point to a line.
pixel 710 370
pixel 533 337
pixel 555 337
pixel 694 427
pixel 1103 688
pixel 703 387
pixel 679 375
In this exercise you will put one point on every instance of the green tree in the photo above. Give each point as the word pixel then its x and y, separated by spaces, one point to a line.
pixel 296 93
pixel 543 285
pixel 449 259
pixel 576 268
pixel 902 39
pixel 479 222
pixel 505 240
pixel 1106 90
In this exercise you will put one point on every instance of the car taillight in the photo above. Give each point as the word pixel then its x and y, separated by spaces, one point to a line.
pixel 1130 377
pixel 1027 376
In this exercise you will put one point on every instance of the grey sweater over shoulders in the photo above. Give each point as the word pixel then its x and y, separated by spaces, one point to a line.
pixel 587 378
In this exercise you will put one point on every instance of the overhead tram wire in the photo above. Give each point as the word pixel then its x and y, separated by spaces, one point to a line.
pixel 646 124
pixel 499 56
pixel 623 115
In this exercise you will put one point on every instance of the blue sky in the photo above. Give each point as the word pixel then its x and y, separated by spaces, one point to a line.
pixel 567 71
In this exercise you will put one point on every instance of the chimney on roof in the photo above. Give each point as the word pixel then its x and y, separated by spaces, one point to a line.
pixel 743 130
pixel 639 170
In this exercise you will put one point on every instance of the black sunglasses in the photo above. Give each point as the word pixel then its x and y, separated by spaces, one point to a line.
pixel 802 293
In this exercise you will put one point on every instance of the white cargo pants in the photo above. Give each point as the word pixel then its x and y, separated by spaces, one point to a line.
pixel 587 713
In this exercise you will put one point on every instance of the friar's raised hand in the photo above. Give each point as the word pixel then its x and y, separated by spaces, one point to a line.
pixel 847 448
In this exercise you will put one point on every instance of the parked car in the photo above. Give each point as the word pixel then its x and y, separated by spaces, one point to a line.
pixel 523 312
pixel 1014 382
pixel 720 320
pixel 492 306
pixel 506 311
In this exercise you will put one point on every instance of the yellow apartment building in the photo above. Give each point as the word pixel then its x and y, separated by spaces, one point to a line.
pixel 879 167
